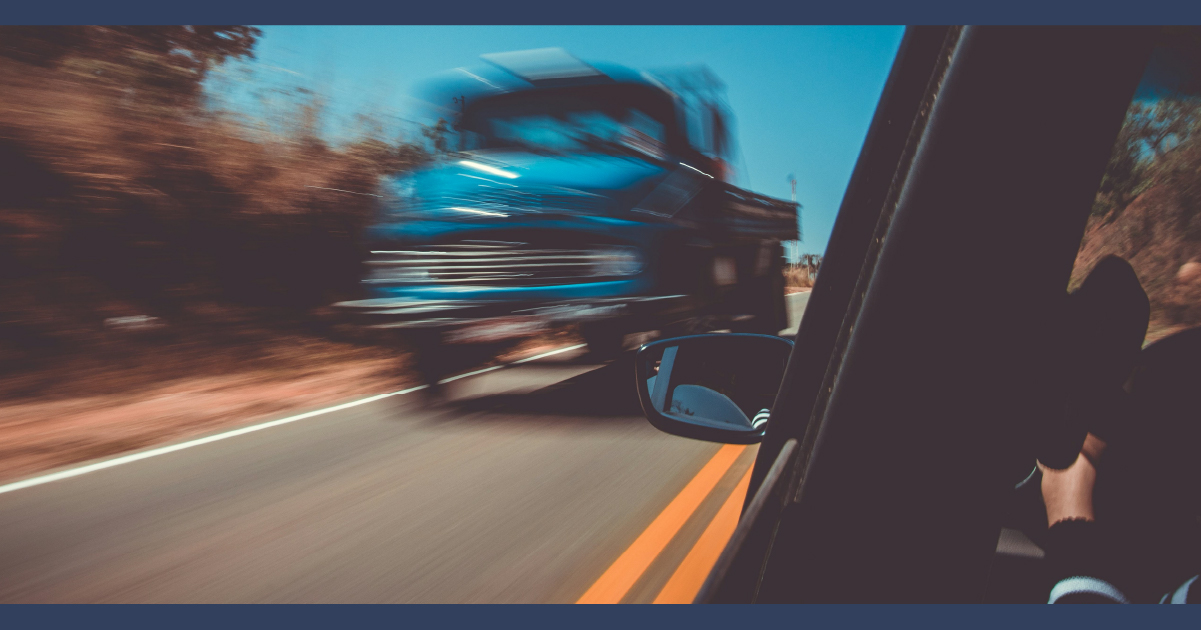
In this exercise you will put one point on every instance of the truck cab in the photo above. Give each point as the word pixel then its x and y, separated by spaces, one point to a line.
pixel 572 193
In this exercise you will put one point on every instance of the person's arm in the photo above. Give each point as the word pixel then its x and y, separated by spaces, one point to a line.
pixel 1078 556
pixel 1068 493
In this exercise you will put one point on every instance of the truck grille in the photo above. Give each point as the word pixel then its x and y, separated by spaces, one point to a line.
pixel 490 263
pixel 501 201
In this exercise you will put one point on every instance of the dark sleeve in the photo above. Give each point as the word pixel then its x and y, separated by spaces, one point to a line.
pixel 1081 565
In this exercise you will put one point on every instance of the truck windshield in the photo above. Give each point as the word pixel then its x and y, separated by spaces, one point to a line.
pixel 543 127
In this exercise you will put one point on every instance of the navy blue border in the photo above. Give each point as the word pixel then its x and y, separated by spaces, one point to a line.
pixel 894 617
pixel 613 12
pixel 603 12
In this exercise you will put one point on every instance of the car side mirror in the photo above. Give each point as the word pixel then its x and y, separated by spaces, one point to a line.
pixel 717 387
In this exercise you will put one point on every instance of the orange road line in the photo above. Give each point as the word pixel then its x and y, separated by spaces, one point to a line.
pixel 617 580
pixel 686 582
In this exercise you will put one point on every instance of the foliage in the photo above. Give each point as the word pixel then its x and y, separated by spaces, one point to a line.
pixel 1148 208
pixel 1151 132
pixel 123 191
pixel 167 60
pixel 804 272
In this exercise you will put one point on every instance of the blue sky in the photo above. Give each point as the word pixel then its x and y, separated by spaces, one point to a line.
pixel 803 95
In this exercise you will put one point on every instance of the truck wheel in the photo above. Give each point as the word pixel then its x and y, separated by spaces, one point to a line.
pixel 765 305
pixel 604 341
pixel 430 358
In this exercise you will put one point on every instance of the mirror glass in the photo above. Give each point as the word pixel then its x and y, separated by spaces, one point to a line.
pixel 717 387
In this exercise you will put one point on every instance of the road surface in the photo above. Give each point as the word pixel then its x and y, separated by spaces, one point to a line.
pixel 539 482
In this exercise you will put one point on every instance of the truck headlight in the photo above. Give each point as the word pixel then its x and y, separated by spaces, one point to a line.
pixel 617 261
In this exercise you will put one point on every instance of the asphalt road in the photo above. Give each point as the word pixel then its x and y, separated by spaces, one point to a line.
pixel 529 485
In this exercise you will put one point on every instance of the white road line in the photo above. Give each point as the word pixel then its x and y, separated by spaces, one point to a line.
pixel 163 450
pixel 455 378
pixel 504 365
pixel 547 354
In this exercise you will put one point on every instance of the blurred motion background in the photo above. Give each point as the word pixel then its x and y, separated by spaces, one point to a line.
pixel 173 226
pixel 176 216
pixel 1148 207
pixel 148 233
pixel 126 192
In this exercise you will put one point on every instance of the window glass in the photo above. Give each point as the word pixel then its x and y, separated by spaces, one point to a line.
pixel 582 131
pixel 1148 207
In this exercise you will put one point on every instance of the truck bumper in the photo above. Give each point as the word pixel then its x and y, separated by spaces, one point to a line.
pixel 472 322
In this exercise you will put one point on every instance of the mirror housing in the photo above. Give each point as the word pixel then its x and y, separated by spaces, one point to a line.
pixel 717 387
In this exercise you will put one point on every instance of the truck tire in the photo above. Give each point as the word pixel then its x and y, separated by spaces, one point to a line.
pixel 430 358
pixel 765 304
pixel 605 341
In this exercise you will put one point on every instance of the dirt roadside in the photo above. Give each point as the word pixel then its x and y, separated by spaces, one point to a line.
pixel 99 412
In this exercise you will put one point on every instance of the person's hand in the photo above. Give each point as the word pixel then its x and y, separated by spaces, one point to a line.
pixel 1068 493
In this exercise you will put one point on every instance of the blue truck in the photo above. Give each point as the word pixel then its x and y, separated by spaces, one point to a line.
pixel 571 194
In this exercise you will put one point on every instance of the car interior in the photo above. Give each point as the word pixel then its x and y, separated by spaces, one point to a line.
pixel 898 464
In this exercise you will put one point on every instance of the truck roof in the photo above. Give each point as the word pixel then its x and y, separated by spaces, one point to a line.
pixel 518 71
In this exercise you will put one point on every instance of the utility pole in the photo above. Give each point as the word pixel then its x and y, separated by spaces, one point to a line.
pixel 796 245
